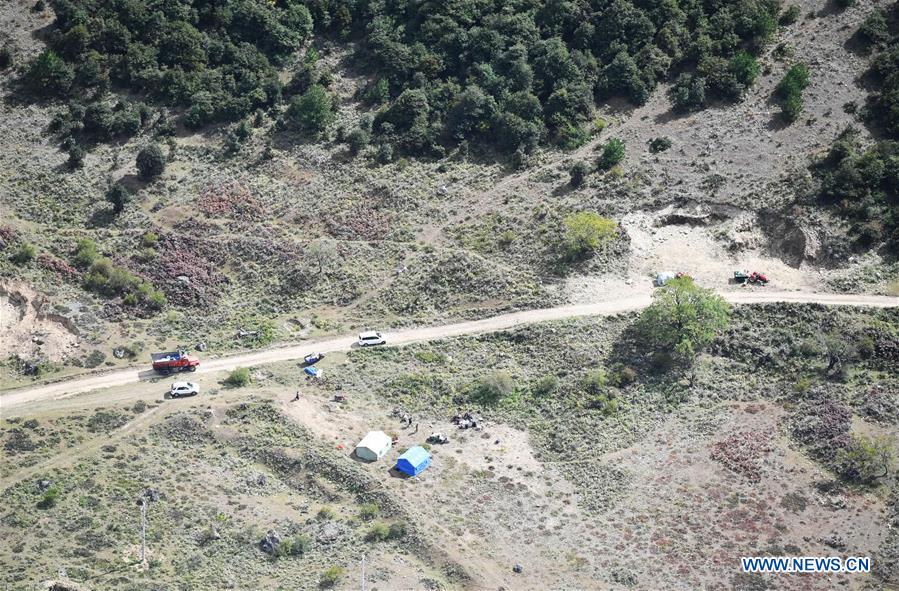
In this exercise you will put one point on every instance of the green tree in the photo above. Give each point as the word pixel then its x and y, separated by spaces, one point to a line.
pixel 683 318
pixel 790 91
pixel 585 232
pixel 50 74
pixel 578 172
pixel 865 460
pixel 150 161
pixel 118 195
pixel 612 153
pixel 312 111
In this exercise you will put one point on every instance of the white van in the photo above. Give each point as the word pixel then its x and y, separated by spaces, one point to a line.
pixel 369 338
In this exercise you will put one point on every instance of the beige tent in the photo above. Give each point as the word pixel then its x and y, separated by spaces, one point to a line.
pixel 373 446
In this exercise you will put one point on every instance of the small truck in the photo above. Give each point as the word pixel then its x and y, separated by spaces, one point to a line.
pixel 173 361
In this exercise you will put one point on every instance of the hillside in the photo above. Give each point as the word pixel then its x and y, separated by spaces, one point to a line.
pixel 495 186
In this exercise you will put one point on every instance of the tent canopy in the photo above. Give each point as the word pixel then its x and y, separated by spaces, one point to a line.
pixel 373 446
pixel 414 461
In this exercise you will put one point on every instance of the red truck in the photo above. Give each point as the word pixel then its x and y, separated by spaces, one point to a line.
pixel 174 361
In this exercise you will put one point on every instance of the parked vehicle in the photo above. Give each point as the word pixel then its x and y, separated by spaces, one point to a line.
pixel 313 358
pixel 755 277
pixel 180 389
pixel 173 361
pixel 367 339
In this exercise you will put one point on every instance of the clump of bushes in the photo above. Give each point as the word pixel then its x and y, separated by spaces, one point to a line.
pixel 381 531
pixel 659 144
pixel 492 388
pixel 312 111
pixel 24 254
pixel 789 90
pixel 612 153
pixel 330 577
pixel 585 232
pixel 865 460
pixel 238 378
pixel 50 497
pixel 578 172
pixel 297 545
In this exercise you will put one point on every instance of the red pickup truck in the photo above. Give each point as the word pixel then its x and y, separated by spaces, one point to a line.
pixel 173 361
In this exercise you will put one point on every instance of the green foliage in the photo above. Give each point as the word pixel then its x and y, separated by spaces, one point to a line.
pixel 238 378
pixel 492 388
pixel 865 460
pixel 790 91
pixel 683 318
pixel 861 184
pixel 330 577
pixel 659 144
pixel 312 111
pixel 106 279
pixel 24 254
pixel 118 195
pixel 378 532
pixel 369 511
pixel 150 161
pixel 745 68
pixel 297 545
pixel 149 239
pixel 546 386
pixel 688 92
pixel 612 153
pixel 50 497
pixel 49 74
pixel 85 253
pixel 883 102
pixel 875 30
pixel 585 232
pixel 790 15
pixel 578 172
pixel 398 530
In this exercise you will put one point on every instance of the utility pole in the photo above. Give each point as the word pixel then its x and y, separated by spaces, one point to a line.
pixel 363 572
pixel 143 527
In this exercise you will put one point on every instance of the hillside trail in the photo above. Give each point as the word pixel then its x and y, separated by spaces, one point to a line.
pixel 636 298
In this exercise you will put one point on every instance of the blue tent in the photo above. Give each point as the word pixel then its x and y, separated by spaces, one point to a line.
pixel 312 371
pixel 414 461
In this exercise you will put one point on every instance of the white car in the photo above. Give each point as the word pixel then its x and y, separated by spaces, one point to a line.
pixel 367 339
pixel 180 389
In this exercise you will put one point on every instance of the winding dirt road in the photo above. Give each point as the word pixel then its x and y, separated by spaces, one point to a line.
pixel 89 383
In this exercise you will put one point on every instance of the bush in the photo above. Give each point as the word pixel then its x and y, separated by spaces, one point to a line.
pixel 790 91
pixel 612 153
pixel 865 460
pixel 50 497
pixel 790 15
pixel 397 530
pixel 312 111
pixel 238 378
pixel 330 577
pixel 492 388
pixel 118 195
pixel 149 239
pixel 298 545
pixel 546 385
pixel 48 73
pixel 688 93
pixel 24 255
pixel 150 161
pixel 378 532
pixel 585 232
pixel 579 171
pixel 85 253
pixel 659 144
pixel 369 511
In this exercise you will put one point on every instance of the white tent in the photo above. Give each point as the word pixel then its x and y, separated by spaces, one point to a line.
pixel 373 446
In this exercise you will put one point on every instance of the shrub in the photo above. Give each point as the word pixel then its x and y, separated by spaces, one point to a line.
pixel 790 15
pixel 24 255
pixel 624 376
pixel 369 511
pixel 48 73
pixel 357 139
pixel 76 157
pixel 865 460
pixel 298 545
pixel 149 239
pixel 688 93
pixel 659 144
pixel 595 382
pixel 150 161
pixel 330 577
pixel 790 91
pixel 378 532
pixel 238 378
pixel 312 111
pixel 118 195
pixel 612 153
pixel 585 232
pixel 578 172
pixel 85 253
pixel 397 530
pixel 745 68
pixel 492 388
pixel 50 497
pixel 5 57
pixel 546 385
pixel 326 512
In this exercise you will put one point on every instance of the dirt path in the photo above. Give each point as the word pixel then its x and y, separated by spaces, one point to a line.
pixel 636 301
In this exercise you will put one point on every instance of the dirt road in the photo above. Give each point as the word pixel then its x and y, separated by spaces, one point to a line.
pixel 414 335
